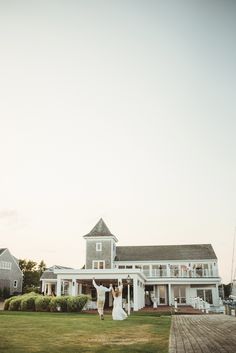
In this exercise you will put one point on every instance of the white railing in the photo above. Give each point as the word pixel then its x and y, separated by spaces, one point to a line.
pixel 200 304
pixel 180 273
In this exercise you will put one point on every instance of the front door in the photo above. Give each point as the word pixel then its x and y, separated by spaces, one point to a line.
pixel 162 295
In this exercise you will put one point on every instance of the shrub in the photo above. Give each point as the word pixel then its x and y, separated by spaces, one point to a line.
pixel 15 304
pixel 83 299
pixel 7 303
pixel 42 303
pixel 28 302
pixel 58 304
pixel 76 304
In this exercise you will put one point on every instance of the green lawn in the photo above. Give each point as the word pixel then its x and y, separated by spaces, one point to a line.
pixel 22 332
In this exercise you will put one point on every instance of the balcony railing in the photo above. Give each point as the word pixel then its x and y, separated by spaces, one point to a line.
pixel 196 273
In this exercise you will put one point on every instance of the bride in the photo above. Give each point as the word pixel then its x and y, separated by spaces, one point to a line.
pixel 118 313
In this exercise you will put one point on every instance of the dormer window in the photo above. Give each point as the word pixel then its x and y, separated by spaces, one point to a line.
pixel 98 246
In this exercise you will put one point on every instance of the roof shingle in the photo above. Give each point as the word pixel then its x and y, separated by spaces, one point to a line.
pixel 99 230
pixel 165 252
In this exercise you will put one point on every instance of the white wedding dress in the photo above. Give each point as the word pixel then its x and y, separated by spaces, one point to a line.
pixel 118 313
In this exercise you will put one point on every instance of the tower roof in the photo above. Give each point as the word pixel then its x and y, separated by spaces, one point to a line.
pixel 100 230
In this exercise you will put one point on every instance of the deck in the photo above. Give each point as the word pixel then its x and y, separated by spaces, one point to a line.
pixel 203 334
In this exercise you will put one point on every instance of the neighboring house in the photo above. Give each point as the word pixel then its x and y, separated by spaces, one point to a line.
pixel 11 276
pixel 158 274
pixel 49 285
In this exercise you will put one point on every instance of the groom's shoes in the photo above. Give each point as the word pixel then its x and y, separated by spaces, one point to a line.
pixel 102 317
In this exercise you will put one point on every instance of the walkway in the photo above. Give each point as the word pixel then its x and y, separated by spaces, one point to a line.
pixel 203 334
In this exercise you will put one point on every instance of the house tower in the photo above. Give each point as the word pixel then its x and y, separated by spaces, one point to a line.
pixel 100 247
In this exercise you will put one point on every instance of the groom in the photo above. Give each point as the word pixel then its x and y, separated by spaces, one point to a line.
pixel 101 290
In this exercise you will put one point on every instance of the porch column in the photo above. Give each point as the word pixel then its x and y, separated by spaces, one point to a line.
pixel 74 287
pixel 216 295
pixel 141 295
pixel 43 286
pixel 63 287
pixel 80 288
pixel 49 289
pixel 169 295
pixel 135 294
pixel 58 286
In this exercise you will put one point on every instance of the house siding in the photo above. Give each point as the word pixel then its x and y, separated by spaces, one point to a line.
pixel 94 255
pixel 7 277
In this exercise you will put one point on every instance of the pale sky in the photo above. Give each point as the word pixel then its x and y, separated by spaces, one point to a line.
pixel 117 109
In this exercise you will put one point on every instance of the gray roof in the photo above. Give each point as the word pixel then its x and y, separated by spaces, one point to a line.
pixel 49 272
pixel 99 230
pixel 2 250
pixel 165 252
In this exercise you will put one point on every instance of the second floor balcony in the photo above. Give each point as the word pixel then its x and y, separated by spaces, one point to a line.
pixel 178 273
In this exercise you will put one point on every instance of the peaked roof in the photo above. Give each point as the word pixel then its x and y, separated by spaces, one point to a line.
pixel 165 252
pixel 2 250
pixel 99 230
pixel 49 272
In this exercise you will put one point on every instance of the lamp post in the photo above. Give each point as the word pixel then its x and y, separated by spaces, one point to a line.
pixel 128 280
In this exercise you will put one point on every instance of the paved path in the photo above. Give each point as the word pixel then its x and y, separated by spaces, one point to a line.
pixel 203 334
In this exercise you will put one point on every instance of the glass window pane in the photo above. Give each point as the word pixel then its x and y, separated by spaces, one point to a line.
pixel 208 295
pixel 200 293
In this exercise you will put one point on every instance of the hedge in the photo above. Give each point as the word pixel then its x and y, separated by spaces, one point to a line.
pixel 15 304
pixel 58 304
pixel 42 303
pixel 33 301
pixel 28 302
pixel 76 304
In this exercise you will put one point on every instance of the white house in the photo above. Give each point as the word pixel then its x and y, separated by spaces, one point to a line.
pixel 158 274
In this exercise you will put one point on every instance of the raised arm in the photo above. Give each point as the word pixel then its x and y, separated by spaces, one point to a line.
pixel 120 286
pixel 95 284
pixel 109 289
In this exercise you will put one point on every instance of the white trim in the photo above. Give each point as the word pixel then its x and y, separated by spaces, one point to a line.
pixel 5 265
pixel 99 246
pixel 102 237
pixel 98 264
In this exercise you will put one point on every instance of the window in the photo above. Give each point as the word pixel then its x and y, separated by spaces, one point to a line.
pixel 15 283
pixel 5 265
pixel 121 266
pixel 98 265
pixel 205 294
pixel 98 246
pixel 162 294
pixel 180 294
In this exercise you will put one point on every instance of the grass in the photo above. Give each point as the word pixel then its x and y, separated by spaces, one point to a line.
pixel 22 332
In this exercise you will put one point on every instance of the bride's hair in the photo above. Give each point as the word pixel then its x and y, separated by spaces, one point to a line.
pixel 116 292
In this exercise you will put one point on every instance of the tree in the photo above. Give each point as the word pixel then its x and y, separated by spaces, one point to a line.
pixel 41 267
pixel 32 273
